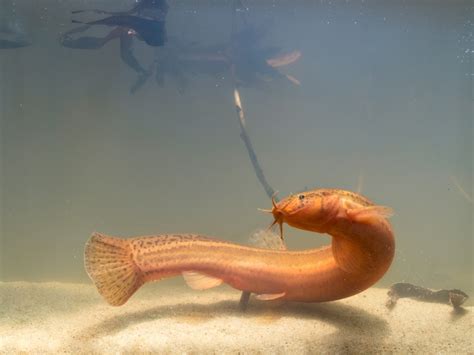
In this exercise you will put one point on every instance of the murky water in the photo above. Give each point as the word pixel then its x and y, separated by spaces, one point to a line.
pixel 384 106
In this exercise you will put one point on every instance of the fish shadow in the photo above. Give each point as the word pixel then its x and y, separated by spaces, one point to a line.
pixel 353 325
pixel 457 313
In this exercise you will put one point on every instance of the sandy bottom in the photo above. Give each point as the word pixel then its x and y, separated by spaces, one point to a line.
pixel 54 317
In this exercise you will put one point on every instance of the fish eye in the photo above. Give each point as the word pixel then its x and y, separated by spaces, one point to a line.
pixel 301 197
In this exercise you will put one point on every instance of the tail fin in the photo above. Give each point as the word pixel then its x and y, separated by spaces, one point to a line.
pixel 109 263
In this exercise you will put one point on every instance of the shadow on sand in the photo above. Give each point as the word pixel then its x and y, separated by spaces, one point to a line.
pixel 354 325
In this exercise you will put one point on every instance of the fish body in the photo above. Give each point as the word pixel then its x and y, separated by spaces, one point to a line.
pixel 361 251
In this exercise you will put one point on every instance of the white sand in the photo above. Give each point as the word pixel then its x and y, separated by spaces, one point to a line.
pixel 53 317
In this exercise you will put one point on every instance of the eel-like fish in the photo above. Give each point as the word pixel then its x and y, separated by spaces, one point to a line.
pixel 362 250
pixel 153 32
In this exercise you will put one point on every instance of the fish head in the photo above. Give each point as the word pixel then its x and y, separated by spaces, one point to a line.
pixel 311 210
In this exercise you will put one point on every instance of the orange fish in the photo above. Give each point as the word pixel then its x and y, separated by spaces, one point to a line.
pixel 361 251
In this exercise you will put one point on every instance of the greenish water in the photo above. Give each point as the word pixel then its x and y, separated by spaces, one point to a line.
pixel 385 98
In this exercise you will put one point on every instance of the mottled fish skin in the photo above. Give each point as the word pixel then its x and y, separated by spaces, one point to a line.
pixel 362 250
pixel 319 193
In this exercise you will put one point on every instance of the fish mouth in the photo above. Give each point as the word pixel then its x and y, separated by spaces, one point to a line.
pixel 278 215
pixel 278 219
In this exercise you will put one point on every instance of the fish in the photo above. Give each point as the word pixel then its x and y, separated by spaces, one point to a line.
pixel 360 253
pixel 153 32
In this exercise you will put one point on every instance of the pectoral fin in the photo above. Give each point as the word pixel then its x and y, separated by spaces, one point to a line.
pixel 198 281
pixel 270 296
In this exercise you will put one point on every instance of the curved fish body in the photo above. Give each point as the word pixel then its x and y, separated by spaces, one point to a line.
pixel 361 251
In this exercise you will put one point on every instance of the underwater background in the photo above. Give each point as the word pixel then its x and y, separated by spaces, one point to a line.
pixel 385 104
